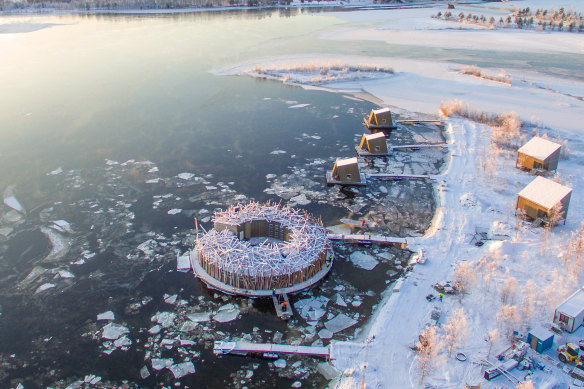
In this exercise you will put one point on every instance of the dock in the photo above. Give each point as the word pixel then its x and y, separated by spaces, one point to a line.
pixel 244 348
pixel 282 305
pixel 331 181
pixel 421 146
pixel 398 177
pixel 370 239
pixel 364 153
pixel 407 121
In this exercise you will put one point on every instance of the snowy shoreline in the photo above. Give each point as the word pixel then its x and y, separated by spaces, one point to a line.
pixel 469 195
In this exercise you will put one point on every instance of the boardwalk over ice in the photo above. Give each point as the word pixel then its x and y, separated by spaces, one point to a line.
pixel 243 348
pixel 368 239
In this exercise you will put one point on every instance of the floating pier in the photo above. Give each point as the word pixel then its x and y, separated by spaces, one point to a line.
pixel 282 305
pixel 369 239
pixel 398 177
pixel 244 348
pixel 437 122
pixel 331 181
pixel 364 153
pixel 421 146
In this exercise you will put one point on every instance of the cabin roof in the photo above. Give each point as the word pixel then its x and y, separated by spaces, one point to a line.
pixel 573 304
pixel 377 135
pixel 544 192
pixel 541 333
pixel 539 148
pixel 380 110
pixel 347 161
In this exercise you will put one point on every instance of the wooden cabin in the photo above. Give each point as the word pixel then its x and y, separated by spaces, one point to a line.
pixel 379 120
pixel 569 315
pixel 374 143
pixel 538 153
pixel 346 172
pixel 542 197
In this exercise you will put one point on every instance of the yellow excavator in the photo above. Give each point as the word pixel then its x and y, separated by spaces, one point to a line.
pixel 569 353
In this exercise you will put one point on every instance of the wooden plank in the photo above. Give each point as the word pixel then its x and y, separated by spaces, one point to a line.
pixel 369 239
pixel 331 181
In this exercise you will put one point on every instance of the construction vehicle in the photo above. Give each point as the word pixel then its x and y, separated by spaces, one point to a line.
pixel 568 353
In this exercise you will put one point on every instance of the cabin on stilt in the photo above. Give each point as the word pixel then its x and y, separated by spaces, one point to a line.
pixel 379 120
pixel 538 153
pixel 345 172
pixel 372 145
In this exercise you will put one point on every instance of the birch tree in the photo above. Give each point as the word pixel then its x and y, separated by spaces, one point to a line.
pixel 464 277
pixel 455 330
pixel 492 339
pixel 428 348
pixel 508 318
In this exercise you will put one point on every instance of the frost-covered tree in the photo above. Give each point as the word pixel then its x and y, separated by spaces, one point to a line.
pixel 525 385
pixel 508 319
pixel 529 301
pixel 508 290
pixel 455 329
pixel 492 339
pixel 464 278
pixel 428 349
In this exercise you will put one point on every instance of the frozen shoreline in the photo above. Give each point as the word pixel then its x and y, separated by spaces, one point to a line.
pixel 466 196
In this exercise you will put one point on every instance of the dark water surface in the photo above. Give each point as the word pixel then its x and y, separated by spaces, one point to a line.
pixel 115 125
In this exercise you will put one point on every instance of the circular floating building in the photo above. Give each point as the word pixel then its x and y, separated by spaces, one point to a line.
pixel 256 248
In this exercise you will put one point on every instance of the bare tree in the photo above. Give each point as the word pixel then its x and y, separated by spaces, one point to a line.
pixel 525 385
pixel 428 347
pixel 492 339
pixel 508 290
pixel 455 329
pixel 508 318
pixel 464 278
pixel 529 301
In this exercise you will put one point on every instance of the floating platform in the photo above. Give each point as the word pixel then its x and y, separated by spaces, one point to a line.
pixel 364 153
pixel 283 308
pixel 399 177
pixel 437 122
pixel 370 239
pixel 331 181
pixel 244 348
pixel 213 283
pixel 421 146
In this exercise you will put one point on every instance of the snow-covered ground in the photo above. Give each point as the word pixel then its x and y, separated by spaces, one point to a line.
pixel 526 270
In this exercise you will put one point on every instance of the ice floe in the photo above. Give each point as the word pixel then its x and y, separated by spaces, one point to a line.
pixel 44 287
pixel 312 308
pixel 280 363
pixel 108 315
pixel 161 363
pixel 165 319
pixel 199 317
pixel 339 323
pixel 226 313
pixel 113 331
pixel 183 263
pixel 62 226
pixel 363 260
pixel 185 176
pixel 182 369
pixel 174 211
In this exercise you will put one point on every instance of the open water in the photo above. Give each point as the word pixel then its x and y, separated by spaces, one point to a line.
pixel 115 135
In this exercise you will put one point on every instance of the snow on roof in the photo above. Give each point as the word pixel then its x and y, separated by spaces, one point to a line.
pixel 380 110
pixel 539 148
pixel 346 161
pixel 541 333
pixel 374 136
pixel 573 304
pixel 544 192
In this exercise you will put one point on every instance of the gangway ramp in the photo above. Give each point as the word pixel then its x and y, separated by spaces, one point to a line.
pixel 244 348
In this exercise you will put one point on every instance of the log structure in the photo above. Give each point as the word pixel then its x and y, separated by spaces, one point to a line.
pixel 256 248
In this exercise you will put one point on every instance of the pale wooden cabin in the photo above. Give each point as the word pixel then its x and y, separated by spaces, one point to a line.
pixel 538 199
pixel 346 172
pixel 538 153
pixel 379 120
pixel 374 143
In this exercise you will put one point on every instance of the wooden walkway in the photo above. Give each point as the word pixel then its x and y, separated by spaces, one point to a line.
pixel 438 122
pixel 421 146
pixel 368 239
pixel 244 348
pixel 283 307
pixel 397 177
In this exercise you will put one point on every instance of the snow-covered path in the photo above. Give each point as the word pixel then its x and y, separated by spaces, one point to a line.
pixel 403 314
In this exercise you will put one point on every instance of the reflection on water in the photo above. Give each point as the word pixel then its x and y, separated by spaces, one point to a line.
pixel 116 136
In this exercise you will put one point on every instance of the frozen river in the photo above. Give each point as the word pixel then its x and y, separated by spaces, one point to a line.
pixel 115 135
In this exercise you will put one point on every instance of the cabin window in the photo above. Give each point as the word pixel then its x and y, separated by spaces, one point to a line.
pixel 383 121
pixel 537 165
pixel 377 148
pixel 348 176
pixel 563 318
